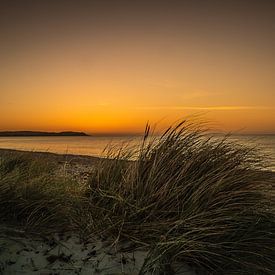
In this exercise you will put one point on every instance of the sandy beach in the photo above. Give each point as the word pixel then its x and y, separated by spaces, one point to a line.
pixel 25 252
pixel 137 137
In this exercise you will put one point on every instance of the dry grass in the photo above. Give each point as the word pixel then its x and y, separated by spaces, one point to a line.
pixel 186 197
pixel 190 198
pixel 33 195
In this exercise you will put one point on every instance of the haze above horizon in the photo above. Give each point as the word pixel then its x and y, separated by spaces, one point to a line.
pixel 111 66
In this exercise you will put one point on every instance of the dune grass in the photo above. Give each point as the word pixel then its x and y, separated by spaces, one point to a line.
pixel 185 196
pixel 34 195
pixel 190 198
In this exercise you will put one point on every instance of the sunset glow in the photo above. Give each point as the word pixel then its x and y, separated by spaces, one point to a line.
pixel 104 67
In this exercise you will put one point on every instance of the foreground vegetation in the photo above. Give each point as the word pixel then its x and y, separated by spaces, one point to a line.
pixel 185 196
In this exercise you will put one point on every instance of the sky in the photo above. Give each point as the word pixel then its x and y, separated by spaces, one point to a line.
pixel 111 66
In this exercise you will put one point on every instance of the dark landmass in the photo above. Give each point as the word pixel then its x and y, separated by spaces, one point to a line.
pixel 40 134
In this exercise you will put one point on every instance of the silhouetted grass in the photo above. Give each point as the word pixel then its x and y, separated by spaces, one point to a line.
pixel 185 196
pixel 190 198
pixel 33 195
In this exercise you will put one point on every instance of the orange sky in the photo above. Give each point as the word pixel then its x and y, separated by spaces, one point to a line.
pixel 111 66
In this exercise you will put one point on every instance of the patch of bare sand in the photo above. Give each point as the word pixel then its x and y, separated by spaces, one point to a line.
pixel 67 254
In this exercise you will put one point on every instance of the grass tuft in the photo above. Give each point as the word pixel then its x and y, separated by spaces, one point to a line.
pixel 34 195
pixel 192 198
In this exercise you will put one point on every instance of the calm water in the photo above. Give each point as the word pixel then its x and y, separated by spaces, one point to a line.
pixel 94 146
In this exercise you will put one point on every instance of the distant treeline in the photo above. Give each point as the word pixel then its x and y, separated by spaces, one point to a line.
pixel 40 134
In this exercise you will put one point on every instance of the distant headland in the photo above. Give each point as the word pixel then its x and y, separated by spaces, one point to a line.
pixel 40 134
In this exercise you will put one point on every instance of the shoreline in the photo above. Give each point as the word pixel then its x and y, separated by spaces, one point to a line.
pixel 57 156
pixel 73 159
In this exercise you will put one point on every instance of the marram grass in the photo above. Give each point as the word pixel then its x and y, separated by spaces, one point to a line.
pixel 33 195
pixel 190 198
pixel 185 196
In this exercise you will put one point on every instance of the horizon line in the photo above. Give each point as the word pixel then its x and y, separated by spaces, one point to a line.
pixel 118 134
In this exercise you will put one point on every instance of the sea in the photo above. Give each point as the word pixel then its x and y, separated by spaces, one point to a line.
pixel 98 145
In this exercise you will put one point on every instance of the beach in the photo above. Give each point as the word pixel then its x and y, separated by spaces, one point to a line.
pixel 137 137
pixel 32 252
pixel 181 206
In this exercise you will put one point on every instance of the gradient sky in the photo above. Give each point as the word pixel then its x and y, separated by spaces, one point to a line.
pixel 111 66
